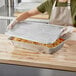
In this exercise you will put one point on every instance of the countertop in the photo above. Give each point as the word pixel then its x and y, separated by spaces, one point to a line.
pixel 64 59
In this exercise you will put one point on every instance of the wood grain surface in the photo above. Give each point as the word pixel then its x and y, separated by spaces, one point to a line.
pixel 64 59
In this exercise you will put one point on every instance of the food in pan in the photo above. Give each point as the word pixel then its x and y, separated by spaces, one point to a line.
pixel 51 45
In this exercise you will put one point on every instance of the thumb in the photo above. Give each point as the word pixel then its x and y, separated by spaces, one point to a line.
pixel 68 29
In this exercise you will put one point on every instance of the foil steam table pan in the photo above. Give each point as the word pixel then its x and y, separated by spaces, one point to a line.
pixel 36 32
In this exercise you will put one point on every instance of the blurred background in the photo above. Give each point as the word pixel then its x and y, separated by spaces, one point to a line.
pixel 8 10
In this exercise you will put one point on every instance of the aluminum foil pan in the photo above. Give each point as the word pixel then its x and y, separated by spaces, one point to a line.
pixel 37 47
pixel 36 32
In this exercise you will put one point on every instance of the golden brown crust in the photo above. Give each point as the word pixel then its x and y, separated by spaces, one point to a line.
pixel 57 42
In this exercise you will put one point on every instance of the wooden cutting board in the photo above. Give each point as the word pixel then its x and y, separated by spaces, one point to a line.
pixel 64 59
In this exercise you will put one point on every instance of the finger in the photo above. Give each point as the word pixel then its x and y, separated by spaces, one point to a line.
pixel 68 29
pixel 9 27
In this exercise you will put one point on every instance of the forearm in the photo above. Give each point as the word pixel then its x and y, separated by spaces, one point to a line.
pixel 27 14
pixel 23 16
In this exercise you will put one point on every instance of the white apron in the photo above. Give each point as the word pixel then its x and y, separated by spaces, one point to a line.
pixel 62 16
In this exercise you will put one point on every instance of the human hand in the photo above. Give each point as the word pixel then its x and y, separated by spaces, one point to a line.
pixel 74 30
pixel 12 24
pixel 67 30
